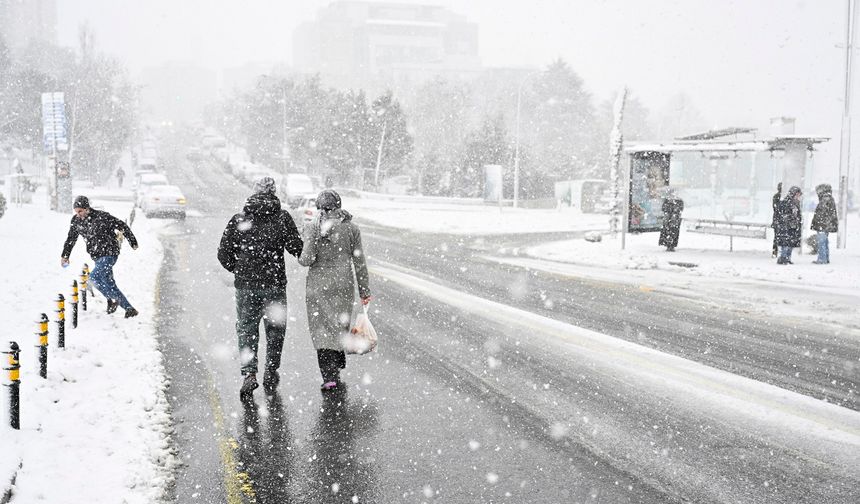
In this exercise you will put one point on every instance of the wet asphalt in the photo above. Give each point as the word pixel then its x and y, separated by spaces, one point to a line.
pixel 457 409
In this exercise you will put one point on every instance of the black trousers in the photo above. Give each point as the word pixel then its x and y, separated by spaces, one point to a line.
pixel 331 362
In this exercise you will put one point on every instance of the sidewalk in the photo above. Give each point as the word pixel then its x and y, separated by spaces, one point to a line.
pixel 98 428
pixel 703 267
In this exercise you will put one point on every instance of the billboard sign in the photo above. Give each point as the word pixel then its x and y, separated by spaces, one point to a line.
pixel 54 122
pixel 649 178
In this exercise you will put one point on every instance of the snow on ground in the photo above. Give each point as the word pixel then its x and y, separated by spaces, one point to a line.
pixel 97 429
pixel 702 267
pixel 426 216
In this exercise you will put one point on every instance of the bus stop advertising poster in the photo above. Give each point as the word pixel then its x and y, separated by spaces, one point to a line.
pixel 649 178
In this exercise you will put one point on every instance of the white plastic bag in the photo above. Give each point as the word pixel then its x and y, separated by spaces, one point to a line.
pixel 362 337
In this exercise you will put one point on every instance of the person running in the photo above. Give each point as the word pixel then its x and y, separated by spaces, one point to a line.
pixel 99 230
pixel 252 248
pixel 333 252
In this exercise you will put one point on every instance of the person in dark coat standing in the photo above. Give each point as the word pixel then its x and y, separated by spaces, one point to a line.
pixel 775 205
pixel 120 174
pixel 252 248
pixel 824 221
pixel 99 230
pixel 789 225
pixel 333 252
pixel 672 208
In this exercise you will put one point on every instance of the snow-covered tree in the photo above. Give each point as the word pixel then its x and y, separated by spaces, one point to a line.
pixel 616 143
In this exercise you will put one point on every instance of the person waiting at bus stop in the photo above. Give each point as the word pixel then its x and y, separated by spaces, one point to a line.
pixel 788 225
pixel 672 208
pixel 99 230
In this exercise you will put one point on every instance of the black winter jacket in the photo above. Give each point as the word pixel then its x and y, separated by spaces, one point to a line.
pixel 252 246
pixel 788 223
pixel 99 230
pixel 825 218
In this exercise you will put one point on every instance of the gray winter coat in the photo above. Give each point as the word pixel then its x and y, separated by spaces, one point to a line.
pixel 333 251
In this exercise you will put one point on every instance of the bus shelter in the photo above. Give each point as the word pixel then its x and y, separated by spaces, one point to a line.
pixel 724 176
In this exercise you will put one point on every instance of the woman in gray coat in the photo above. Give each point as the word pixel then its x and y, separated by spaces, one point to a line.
pixel 332 250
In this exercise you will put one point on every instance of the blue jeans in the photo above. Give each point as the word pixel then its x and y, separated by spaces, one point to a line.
pixel 270 306
pixel 102 278
pixel 785 253
pixel 823 247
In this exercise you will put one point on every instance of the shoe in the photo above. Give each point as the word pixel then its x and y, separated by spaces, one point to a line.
pixel 271 380
pixel 111 307
pixel 131 312
pixel 818 262
pixel 329 385
pixel 781 261
pixel 248 386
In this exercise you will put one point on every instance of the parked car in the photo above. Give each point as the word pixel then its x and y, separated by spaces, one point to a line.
pixel 145 181
pixel 306 210
pixel 294 187
pixel 163 200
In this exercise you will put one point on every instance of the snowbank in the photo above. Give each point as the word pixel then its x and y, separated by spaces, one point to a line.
pixel 97 429
pixel 424 216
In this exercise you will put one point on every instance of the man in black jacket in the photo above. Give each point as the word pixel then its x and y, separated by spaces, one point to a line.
pixel 99 230
pixel 252 248
pixel 824 221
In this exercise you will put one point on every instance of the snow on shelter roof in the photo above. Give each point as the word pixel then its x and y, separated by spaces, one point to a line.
pixel 711 134
pixel 776 143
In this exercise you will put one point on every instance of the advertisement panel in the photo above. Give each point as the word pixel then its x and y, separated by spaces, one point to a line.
pixel 493 183
pixel 649 177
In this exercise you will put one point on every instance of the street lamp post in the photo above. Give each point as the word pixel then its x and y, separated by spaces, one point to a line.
pixel 284 113
pixel 517 141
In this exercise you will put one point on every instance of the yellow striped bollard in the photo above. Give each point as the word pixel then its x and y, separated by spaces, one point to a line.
pixel 61 321
pixel 75 304
pixel 13 367
pixel 85 278
pixel 43 345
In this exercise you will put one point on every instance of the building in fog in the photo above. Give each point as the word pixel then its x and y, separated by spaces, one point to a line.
pixel 25 21
pixel 176 92
pixel 366 44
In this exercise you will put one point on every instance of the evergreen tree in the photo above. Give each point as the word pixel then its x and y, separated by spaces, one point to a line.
pixel 487 146
pixel 394 142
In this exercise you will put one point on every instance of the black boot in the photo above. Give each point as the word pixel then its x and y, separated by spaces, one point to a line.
pixel 131 312
pixel 271 378
pixel 112 304
pixel 248 386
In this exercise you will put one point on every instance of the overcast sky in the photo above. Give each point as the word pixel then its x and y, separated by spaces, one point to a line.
pixel 740 61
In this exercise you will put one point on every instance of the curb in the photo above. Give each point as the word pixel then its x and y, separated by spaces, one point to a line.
pixel 7 492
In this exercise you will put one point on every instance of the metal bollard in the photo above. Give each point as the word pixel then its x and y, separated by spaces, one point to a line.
pixel 14 384
pixel 75 304
pixel 85 277
pixel 43 345
pixel 89 289
pixel 61 321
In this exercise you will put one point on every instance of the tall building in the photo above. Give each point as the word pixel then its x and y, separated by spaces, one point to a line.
pixel 24 21
pixel 360 44
pixel 177 91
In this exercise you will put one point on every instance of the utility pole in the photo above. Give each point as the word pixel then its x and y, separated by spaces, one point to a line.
pixel 845 139
pixel 379 154
pixel 284 113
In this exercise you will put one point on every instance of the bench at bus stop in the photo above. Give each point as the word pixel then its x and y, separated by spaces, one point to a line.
pixel 728 228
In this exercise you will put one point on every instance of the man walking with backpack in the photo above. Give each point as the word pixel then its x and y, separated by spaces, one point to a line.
pixel 99 230
pixel 252 248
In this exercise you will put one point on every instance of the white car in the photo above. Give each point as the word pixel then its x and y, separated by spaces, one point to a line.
pixel 306 211
pixel 163 200
pixel 145 181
